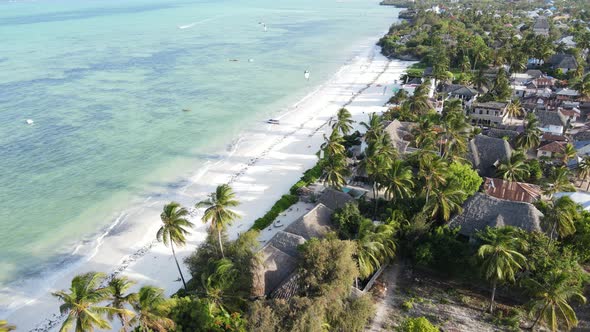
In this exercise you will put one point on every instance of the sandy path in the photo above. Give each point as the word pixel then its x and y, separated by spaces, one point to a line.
pixel 389 277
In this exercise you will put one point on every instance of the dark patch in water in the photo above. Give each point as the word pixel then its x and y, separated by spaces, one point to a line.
pixel 80 14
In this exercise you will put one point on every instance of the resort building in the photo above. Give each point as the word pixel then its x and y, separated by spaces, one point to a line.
pixel 486 153
pixel 275 271
pixel 400 134
pixel 512 191
pixel 551 150
pixel 489 113
pixel 564 62
pixel 551 122
pixel 541 26
pixel 481 211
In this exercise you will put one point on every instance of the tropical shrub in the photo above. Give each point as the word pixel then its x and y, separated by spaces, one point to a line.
pixel 347 220
pixel 419 324
pixel 463 177
pixel 281 205
pixel 310 176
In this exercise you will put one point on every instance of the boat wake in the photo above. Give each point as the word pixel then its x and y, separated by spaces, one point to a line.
pixel 190 25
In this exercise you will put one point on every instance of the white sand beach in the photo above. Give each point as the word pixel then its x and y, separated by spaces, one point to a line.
pixel 268 160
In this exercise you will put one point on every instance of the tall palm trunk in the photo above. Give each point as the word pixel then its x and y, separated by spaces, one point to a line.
pixel 124 322
pixel 375 198
pixel 552 234
pixel 493 296
pixel 539 317
pixel 220 243
pixel 177 265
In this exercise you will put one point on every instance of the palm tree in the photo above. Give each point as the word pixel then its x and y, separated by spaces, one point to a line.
pixel 584 170
pixel 551 302
pixel 375 245
pixel 118 286
pixel 480 80
pixel 374 127
pixel 444 202
pixel 400 96
pixel 431 170
pixel 454 133
pixel 81 303
pixel 568 152
pixel 333 145
pixel 531 137
pixel 514 168
pixel 514 109
pixel 559 181
pixel 424 134
pixel 335 171
pixel 218 210
pixel 418 102
pixel 561 216
pixel 5 327
pixel 583 87
pixel 173 230
pixel 343 121
pixel 379 155
pixel 152 308
pixel 500 257
pixel 398 181
pixel 216 281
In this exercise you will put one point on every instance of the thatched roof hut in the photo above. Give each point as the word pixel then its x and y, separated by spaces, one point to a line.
pixel 315 223
pixel 334 199
pixel 486 153
pixel 287 242
pixel 400 134
pixel 276 268
pixel 482 211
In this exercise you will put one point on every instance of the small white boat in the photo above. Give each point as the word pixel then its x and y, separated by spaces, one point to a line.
pixel 306 74
pixel 29 121
pixel 273 121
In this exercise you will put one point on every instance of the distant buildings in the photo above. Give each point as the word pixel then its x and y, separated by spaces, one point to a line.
pixel 488 113
pixel 541 26
pixel 564 62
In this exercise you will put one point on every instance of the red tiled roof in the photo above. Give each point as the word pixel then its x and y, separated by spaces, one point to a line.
pixel 570 112
pixel 554 147
pixel 512 191
pixel 553 137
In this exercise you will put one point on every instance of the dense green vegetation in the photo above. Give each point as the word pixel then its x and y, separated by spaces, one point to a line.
pixel 281 205
pixel 324 301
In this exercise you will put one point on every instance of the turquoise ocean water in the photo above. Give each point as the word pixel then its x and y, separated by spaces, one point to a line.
pixel 105 83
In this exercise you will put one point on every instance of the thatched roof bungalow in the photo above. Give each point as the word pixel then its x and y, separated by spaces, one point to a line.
pixel 278 259
pixel 481 211
pixel 334 199
pixel 486 153
pixel 400 134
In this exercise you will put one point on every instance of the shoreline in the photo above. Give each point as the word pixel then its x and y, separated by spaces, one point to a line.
pixel 288 149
